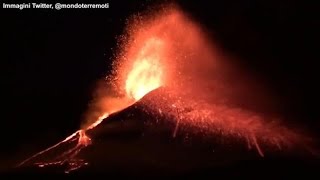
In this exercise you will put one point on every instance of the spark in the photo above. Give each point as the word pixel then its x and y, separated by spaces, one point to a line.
pixel 176 128
pixel 257 146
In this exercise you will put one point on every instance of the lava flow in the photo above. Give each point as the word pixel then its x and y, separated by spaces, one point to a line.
pixel 144 75
pixel 168 49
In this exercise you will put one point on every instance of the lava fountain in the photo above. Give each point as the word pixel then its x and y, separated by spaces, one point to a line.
pixel 143 74
pixel 165 48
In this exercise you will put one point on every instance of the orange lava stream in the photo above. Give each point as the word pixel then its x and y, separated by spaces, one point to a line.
pixel 52 147
pixel 144 75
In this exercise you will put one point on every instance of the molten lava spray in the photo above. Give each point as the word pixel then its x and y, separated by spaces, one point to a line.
pixel 166 49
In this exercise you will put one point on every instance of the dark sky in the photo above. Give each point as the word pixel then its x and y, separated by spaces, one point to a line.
pixel 50 60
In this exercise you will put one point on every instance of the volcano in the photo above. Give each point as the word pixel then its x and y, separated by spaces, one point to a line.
pixel 174 105
pixel 142 141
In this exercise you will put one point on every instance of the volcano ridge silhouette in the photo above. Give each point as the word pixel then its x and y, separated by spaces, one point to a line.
pixel 139 141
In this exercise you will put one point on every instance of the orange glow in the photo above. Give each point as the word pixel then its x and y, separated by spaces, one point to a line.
pixel 146 73
pixel 168 49
pixel 83 138
pixel 98 121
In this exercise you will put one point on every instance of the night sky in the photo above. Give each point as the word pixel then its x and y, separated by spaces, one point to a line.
pixel 51 60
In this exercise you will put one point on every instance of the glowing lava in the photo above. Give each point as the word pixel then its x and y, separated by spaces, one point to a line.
pixel 98 121
pixel 147 71
pixel 144 73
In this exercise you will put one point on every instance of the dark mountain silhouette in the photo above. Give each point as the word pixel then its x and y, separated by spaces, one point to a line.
pixel 139 141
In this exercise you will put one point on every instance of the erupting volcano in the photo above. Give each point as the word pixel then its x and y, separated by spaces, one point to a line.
pixel 165 49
